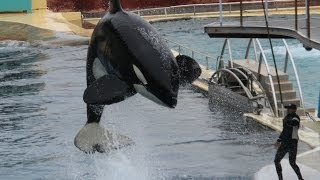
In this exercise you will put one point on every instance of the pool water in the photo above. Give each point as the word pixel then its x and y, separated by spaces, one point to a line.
pixel 41 110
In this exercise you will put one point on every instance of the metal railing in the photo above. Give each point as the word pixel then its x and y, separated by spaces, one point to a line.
pixel 260 56
pixel 211 7
pixel 264 58
pixel 289 57
pixel 192 52
pixel 221 9
pixel 226 44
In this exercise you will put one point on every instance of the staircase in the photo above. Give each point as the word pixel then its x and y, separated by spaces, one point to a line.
pixel 289 95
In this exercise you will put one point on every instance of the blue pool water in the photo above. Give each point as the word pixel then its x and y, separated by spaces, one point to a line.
pixel 41 110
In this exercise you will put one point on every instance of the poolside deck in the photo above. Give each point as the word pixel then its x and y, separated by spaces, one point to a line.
pixel 281 26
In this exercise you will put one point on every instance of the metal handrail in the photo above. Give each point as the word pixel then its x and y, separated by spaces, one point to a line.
pixel 238 71
pixel 289 56
pixel 195 6
pixel 264 58
pixel 164 10
pixel 230 53
pixel 193 52
pixel 251 41
pixel 225 44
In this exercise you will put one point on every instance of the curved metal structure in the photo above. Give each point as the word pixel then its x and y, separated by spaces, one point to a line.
pixel 249 95
pixel 262 58
pixel 239 71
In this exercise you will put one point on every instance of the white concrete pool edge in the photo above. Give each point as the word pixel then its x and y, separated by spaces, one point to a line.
pixel 45 19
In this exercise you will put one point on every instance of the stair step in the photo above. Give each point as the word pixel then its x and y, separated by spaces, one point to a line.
pixel 254 67
pixel 283 78
pixel 287 85
pixel 288 94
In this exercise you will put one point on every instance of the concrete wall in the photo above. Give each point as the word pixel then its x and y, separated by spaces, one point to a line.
pixel 39 4
pixel 15 5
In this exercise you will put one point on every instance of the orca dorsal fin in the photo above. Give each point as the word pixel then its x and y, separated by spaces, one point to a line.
pixel 114 6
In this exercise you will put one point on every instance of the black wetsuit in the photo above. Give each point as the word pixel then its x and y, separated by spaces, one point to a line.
pixel 289 144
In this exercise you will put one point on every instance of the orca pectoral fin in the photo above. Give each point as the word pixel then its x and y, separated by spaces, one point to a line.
pixel 106 90
pixel 190 70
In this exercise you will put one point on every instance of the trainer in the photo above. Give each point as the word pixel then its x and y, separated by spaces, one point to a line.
pixel 288 141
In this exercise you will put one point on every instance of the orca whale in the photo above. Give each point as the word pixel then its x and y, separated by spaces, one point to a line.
pixel 126 56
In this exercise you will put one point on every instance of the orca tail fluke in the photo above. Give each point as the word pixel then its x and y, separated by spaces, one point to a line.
pixel 115 6
pixel 94 138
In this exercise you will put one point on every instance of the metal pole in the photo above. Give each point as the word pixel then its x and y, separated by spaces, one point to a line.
pixel 308 19
pixel 267 9
pixel 259 67
pixel 165 11
pixel 220 9
pixel 319 107
pixel 248 49
pixel 305 3
pixel 255 50
pixel 296 14
pixel 286 62
pixel 270 78
pixel 207 63
pixel 224 47
pixel 230 53
pixel 241 13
